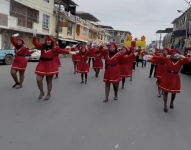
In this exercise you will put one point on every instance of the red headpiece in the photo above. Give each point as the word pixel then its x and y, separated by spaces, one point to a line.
pixel 176 51
pixel 166 49
pixel 156 49
pixel 22 41
pixel 113 44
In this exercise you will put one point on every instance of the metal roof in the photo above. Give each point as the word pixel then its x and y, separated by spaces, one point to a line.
pixel 106 27
pixel 86 16
pixel 65 2
pixel 119 31
pixel 167 30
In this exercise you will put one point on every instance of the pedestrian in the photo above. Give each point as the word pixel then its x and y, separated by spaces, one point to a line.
pixel 83 65
pixel 75 58
pixel 161 69
pixel 170 82
pixel 138 55
pixel 144 62
pixel 112 73
pixel 125 65
pixel 153 65
pixel 91 52
pixel 47 65
pixel 98 63
pixel 20 62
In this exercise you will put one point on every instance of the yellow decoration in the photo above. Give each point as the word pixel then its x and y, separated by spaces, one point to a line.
pixel 130 38
pixel 143 38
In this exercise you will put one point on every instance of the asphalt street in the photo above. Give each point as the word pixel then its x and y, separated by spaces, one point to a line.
pixel 75 118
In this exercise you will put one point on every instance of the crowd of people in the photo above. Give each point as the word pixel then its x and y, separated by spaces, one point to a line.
pixel 118 65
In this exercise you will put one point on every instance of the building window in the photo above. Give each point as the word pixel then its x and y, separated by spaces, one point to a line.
pixel 84 31
pixel 46 19
pixel 70 26
pixel 46 1
pixel 114 40
pixel 60 28
pixel 122 40
pixel 90 35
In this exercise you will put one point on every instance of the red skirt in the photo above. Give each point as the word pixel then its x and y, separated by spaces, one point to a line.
pixel 170 83
pixel 75 58
pixel 125 70
pixel 19 63
pixel 160 70
pixel 47 68
pixel 112 74
pixel 98 64
pixel 57 60
pixel 83 67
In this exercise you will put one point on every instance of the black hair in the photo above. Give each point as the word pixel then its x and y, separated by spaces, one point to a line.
pixel 46 47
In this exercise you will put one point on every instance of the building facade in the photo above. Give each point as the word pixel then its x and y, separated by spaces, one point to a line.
pixel 24 17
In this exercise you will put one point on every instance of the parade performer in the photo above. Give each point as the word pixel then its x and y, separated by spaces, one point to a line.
pixel 20 62
pixel 170 82
pixel 161 69
pixel 112 73
pixel 47 65
pixel 153 65
pixel 98 64
pixel 75 58
pixel 91 50
pixel 138 55
pixel 56 58
pixel 83 65
pixel 125 65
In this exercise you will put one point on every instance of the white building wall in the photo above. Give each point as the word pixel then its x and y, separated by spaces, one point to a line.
pixel 43 8
pixel 4 6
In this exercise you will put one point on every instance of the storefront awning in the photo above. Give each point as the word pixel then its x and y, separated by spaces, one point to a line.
pixel 68 40
pixel 82 41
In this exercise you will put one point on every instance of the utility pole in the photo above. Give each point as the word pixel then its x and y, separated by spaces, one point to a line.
pixel 58 21
pixel 160 40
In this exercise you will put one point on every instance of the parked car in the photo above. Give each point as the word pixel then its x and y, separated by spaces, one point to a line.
pixel 7 56
pixel 34 56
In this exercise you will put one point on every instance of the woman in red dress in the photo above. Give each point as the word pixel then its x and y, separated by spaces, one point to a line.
pixel 125 66
pixel 98 64
pixel 161 69
pixel 170 82
pixel 20 61
pixel 112 73
pixel 132 66
pixel 83 65
pixel 47 65
pixel 75 58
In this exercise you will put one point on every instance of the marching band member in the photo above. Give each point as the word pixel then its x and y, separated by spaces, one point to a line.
pixel 170 82
pixel 153 65
pixel 20 62
pixel 83 65
pixel 75 58
pixel 98 64
pixel 47 65
pixel 125 65
pixel 112 73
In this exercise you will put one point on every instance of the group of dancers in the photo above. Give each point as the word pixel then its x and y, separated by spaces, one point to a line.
pixel 167 66
pixel 118 66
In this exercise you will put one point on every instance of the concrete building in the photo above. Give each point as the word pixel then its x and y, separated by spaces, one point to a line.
pixel 118 36
pixel 23 17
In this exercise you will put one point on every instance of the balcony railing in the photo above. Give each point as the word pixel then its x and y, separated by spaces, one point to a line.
pixel 70 16
pixel 93 27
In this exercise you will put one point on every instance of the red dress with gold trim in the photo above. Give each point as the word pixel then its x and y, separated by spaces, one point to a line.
pixel 75 58
pixel 112 72
pixel 125 66
pixel 83 66
pixel 170 78
pixel 160 69
pixel 20 62
pixel 91 52
pixel 47 65
pixel 98 63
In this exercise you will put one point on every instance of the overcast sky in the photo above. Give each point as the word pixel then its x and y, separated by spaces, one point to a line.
pixel 140 17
